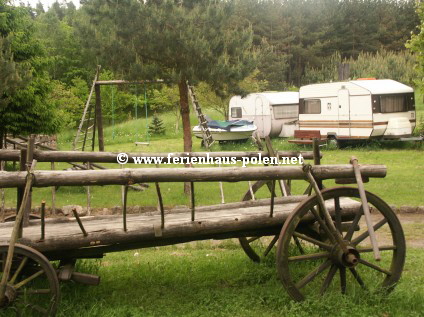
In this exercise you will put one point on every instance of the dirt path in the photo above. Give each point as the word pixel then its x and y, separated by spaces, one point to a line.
pixel 413 227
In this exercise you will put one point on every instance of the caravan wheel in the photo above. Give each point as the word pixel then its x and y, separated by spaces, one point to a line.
pixel 332 141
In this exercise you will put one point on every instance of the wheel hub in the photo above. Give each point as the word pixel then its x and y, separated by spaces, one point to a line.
pixel 348 259
pixel 9 296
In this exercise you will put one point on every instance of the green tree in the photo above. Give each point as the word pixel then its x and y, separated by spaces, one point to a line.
pixel 23 107
pixel 188 40
pixel 416 44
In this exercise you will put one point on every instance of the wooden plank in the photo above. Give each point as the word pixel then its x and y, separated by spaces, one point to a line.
pixel 67 236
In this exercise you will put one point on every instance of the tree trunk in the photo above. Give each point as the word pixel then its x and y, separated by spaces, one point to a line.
pixel 185 117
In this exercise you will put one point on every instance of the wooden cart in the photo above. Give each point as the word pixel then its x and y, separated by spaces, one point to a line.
pixel 343 233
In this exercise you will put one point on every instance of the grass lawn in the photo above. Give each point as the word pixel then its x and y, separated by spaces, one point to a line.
pixel 203 279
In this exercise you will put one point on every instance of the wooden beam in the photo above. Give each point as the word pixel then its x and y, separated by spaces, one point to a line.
pixel 99 118
pixel 143 175
pixel 110 157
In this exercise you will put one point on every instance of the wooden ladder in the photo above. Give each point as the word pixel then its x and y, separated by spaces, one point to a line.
pixel 203 123
pixel 85 136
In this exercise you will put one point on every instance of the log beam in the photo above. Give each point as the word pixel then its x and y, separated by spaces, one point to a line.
pixel 145 175
pixel 110 157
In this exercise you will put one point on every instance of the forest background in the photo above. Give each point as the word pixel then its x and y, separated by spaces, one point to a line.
pixel 48 56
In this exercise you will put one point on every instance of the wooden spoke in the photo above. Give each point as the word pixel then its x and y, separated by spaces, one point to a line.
pixel 269 248
pixel 307 257
pixel 355 223
pixel 299 245
pixel 381 248
pixel 375 267
pixel 3 261
pixel 338 215
pixel 313 274
pixel 28 279
pixel 328 279
pixel 357 277
pixel 312 240
pixel 250 240
pixel 18 270
pixel 323 224
pixel 35 291
pixel 38 308
pixel 365 235
pixel 342 271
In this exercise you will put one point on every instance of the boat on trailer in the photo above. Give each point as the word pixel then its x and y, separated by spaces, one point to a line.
pixel 231 130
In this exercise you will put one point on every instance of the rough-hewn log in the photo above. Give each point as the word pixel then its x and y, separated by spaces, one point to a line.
pixel 110 157
pixel 143 175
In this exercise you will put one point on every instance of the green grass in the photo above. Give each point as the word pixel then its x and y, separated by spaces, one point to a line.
pixel 203 279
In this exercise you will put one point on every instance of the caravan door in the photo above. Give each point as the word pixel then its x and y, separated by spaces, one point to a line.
pixel 260 118
pixel 344 124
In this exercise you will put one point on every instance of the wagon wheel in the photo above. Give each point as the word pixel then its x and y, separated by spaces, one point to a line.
pixel 315 271
pixel 257 248
pixel 33 286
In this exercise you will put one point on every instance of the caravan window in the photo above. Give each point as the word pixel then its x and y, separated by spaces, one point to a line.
pixel 285 111
pixel 236 112
pixel 310 106
pixel 393 103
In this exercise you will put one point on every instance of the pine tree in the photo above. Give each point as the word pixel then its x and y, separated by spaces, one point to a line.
pixel 190 40
pixel 156 127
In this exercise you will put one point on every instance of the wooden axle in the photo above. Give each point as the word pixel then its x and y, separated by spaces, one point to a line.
pixel 143 175
pixel 110 157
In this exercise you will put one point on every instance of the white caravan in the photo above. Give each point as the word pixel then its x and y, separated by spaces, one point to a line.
pixel 358 109
pixel 274 113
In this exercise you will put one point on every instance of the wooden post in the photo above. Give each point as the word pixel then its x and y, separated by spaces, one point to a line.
pixel 221 189
pixel 2 204
pixel 160 206
pixel 43 215
pixel 29 158
pixel 271 212
pixel 53 193
pixel 20 190
pixel 317 159
pixel 99 119
pixel 192 201
pixel 88 194
pixel 124 206
pixel 74 211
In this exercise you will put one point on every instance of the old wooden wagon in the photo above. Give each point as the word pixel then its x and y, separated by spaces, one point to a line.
pixel 342 234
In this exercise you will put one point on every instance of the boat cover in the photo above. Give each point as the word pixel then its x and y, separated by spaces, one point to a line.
pixel 227 125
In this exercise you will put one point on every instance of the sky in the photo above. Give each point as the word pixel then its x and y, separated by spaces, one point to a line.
pixel 46 3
